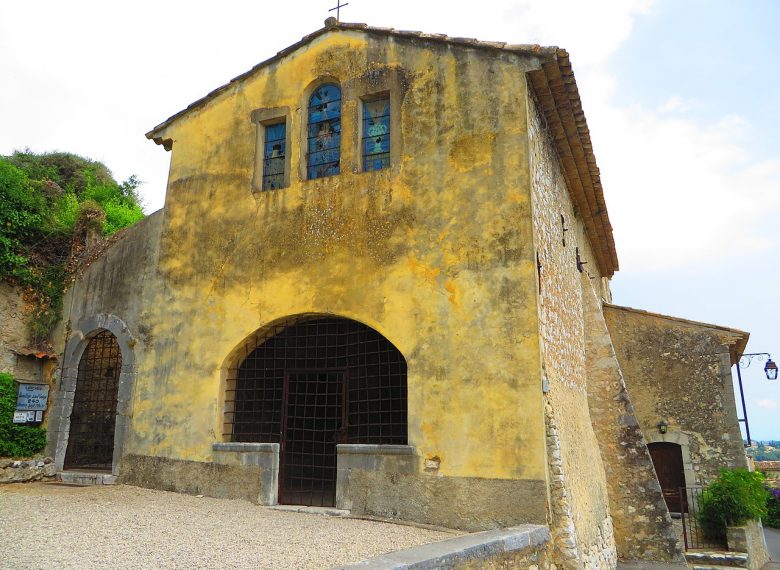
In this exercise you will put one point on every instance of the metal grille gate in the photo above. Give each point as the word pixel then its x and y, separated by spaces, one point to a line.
pixel 93 419
pixel 693 534
pixel 309 384
pixel 313 424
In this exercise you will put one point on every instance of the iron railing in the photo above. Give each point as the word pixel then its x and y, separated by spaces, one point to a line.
pixel 693 533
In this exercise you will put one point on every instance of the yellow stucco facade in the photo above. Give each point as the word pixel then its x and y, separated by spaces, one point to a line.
pixel 435 253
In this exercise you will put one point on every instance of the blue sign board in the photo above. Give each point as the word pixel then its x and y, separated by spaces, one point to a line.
pixel 32 397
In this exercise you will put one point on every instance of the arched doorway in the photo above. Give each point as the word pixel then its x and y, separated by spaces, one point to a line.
pixel 668 462
pixel 311 385
pixel 93 419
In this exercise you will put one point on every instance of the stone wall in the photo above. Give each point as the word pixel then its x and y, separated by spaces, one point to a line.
pixel 749 538
pixel 643 526
pixel 578 487
pixel 679 372
pixel 193 477
pixel 525 546
pixel 38 468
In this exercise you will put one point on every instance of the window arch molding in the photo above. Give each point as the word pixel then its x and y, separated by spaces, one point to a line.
pixel 327 138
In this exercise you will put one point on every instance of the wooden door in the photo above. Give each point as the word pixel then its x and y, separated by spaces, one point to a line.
pixel 668 463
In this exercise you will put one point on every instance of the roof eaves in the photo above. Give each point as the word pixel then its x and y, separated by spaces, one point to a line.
pixel 739 337
pixel 556 90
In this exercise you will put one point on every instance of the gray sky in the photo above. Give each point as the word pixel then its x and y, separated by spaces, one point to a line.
pixel 680 97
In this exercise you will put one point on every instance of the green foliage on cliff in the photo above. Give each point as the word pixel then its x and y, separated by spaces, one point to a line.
pixel 735 497
pixel 49 203
pixel 16 440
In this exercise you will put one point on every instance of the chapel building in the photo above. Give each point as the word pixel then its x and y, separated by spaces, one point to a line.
pixel 380 282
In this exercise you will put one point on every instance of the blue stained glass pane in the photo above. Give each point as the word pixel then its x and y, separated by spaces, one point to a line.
pixel 273 154
pixel 317 144
pixel 324 131
pixel 376 134
pixel 275 132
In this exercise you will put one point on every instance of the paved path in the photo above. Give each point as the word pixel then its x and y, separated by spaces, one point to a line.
pixel 773 545
pixel 46 526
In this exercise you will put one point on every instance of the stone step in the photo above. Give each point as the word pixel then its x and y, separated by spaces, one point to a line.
pixel 712 567
pixel 706 559
pixel 86 478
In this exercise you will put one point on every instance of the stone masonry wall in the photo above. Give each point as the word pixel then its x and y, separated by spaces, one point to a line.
pixel 680 372
pixel 643 527
pixel 749 538
pixel 580 520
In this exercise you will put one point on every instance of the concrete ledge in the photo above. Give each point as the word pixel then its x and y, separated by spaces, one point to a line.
pixel 367 449
pixel 524 543
pixel 246 447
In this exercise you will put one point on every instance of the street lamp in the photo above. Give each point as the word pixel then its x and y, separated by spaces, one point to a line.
pixel 770 369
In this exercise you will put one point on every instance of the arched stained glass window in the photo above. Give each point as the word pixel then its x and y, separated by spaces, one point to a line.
pixel 324 133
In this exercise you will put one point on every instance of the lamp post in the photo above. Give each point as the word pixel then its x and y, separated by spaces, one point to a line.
pixel 770 369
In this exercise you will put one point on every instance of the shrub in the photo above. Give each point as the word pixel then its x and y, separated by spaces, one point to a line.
pixel 734 498
pixel 772 517
pixel 16 440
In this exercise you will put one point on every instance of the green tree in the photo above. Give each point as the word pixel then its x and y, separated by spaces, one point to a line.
pixel 43 199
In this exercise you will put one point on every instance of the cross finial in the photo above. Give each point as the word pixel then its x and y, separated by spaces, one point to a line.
pixel 338 8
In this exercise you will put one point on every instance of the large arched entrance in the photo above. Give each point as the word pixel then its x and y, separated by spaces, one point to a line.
pixel 668 462
pixel 93 419
pixel 313 384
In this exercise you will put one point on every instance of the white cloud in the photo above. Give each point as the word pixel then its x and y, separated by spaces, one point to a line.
pixel 768 404
pixel 677 190
pixel 673 104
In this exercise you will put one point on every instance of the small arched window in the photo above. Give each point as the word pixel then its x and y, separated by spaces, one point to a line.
pixel 324 131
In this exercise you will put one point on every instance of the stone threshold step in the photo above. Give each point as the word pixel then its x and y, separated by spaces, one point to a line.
pixel 714 558
pixel 330 511
pixel 713 567
pixel 85 478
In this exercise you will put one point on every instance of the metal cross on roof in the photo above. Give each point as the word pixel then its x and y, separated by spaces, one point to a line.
pixel 338 7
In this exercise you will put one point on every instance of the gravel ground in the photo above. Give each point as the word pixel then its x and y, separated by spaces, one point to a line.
pixel 52 526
